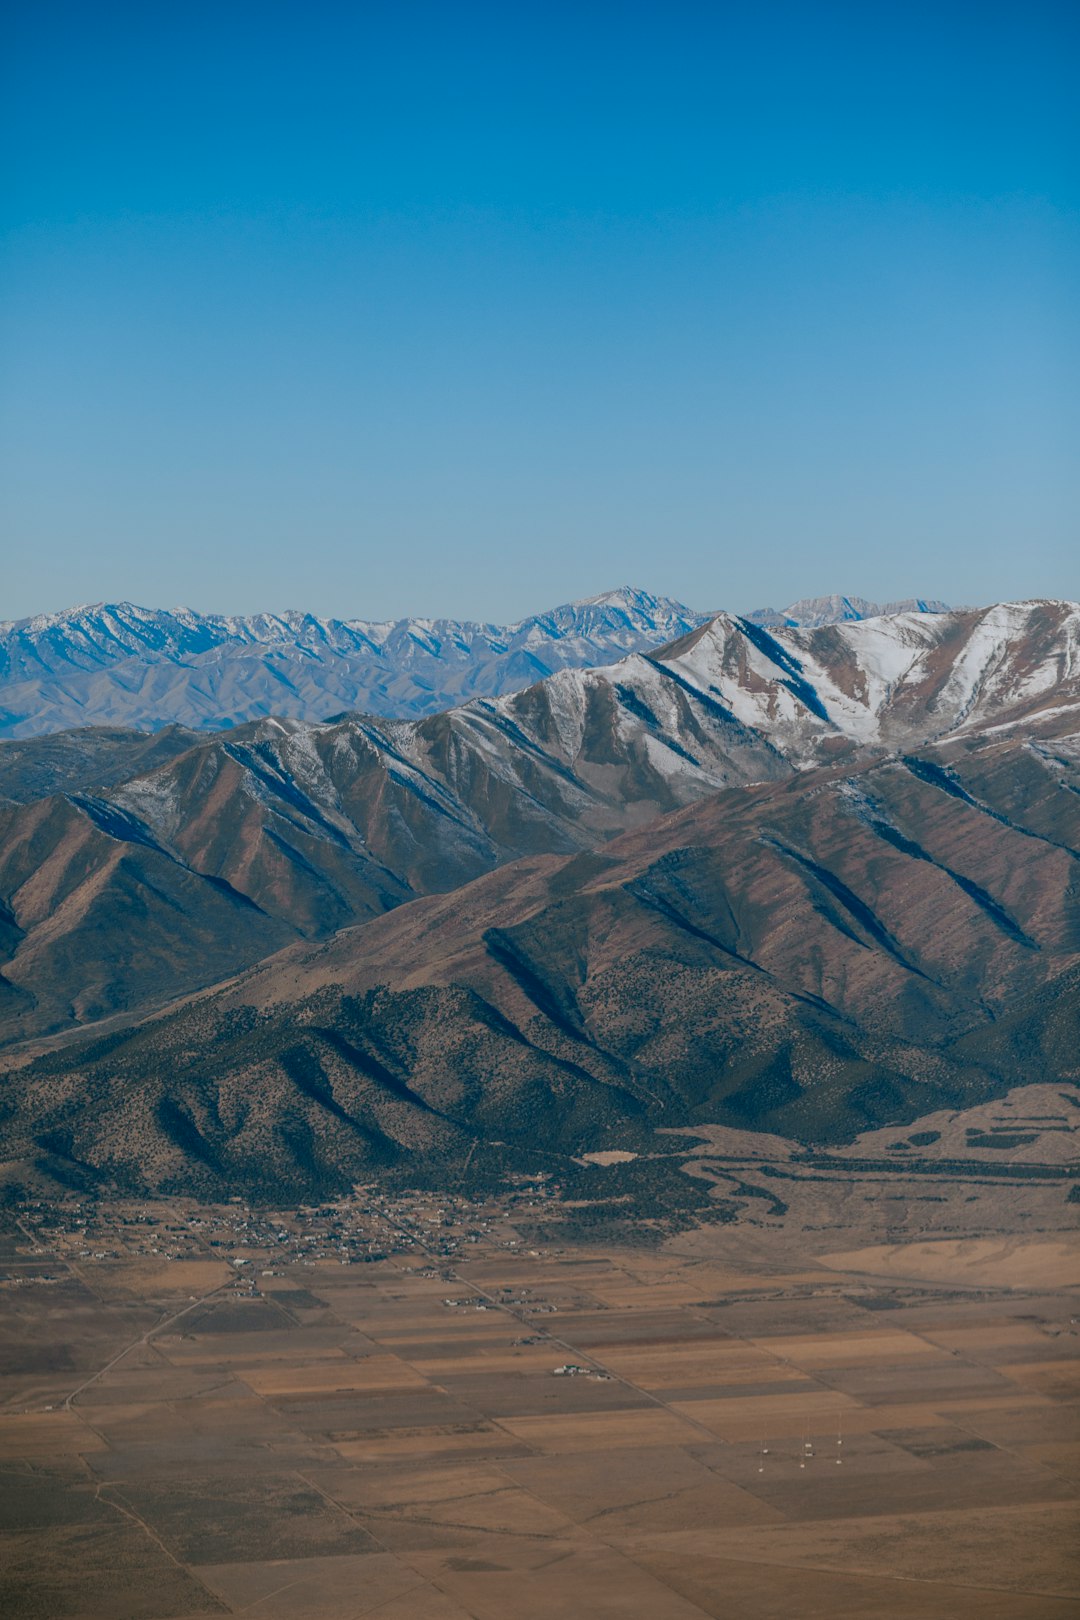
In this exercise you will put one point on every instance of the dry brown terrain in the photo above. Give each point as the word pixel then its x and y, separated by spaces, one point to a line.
pixel 208 1412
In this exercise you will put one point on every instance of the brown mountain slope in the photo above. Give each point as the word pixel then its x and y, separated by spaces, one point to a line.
pixel 102 914
pixel 810 957
pixel 323 826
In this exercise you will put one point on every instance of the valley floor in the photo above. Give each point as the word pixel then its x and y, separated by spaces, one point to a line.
pixel 436 1408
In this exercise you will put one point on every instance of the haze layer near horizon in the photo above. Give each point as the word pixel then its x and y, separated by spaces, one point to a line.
pixel 399 309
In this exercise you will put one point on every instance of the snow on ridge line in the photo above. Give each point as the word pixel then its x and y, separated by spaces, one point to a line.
pixel 768 677
pixel 735 662
pixel 641 602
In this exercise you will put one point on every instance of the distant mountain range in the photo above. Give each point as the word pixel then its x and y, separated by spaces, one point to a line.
pixel 813 611
pixel 806 878
pixel 121 665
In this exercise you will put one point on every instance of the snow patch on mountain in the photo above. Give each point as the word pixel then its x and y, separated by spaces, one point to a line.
pixel 876 682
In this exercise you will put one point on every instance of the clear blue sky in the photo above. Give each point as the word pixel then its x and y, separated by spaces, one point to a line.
pixel 390 307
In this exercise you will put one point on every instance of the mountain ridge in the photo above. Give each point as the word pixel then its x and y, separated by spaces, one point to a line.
pixel 812 612
pixel 812 957
pixel 120 664
pixel 299 829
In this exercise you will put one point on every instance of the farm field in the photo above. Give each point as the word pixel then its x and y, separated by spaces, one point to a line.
pixel 747 1423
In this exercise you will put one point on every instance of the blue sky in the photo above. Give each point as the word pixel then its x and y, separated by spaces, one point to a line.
pixel 469 309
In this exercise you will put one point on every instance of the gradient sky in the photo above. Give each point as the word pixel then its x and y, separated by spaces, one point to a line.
pixel 454 308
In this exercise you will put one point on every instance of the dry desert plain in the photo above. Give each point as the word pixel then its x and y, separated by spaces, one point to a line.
pixel 860 1399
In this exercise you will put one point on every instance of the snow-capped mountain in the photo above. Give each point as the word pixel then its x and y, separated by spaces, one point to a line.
pixel 122 665
pixel 118 664
pixel 228 844
pixel 813 611
pixel 621 895
pixel 888 682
